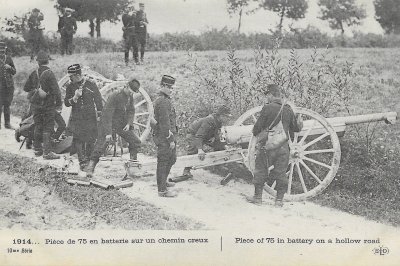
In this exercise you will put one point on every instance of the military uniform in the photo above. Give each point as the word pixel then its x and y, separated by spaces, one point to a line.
pixel 67 28
pixel 279 157
pixel 43 108
pixel 6 85
pixel 164 133
pixel 83 117
pixel 36 39
pixel 141 31
pixel 118 111
pixel 130 41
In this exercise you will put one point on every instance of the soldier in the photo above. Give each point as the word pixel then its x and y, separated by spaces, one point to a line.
pixel 164 135
pixel 141 29
pixel 129 35
pixel 86 101
pixel 205 131
pixel 67 28
pixel 35 38
pixel 118 115
pixel 45 101
pixel 271 114
pixel 7 70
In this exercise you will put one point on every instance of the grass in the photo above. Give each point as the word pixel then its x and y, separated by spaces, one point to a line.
pixel 367 182
pixel 117 209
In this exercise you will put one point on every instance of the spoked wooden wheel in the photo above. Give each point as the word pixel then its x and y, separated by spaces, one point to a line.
pixel 314 155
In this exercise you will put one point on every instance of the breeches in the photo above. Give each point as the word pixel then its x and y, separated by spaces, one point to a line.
pixel 279 158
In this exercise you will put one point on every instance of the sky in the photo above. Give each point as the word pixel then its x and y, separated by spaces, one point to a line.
pixel 190 15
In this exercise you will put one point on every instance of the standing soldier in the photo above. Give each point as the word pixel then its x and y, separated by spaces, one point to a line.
pixel 141 29
pixel 85 99
pixel 35 38
pixel 129 35
pixel 205 131
pixel 67 28
pixel 45 101
pixel 117 115
pixel 271 114
pixel 164 134
pixel 7 70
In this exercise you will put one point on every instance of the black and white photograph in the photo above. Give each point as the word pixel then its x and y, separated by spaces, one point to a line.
pixel 199 132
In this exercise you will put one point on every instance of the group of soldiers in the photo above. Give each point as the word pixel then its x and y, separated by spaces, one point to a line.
pixel 134 33
pixel 66 27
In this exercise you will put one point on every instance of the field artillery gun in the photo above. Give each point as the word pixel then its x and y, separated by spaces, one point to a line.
pixel 314 152
pixel 316 149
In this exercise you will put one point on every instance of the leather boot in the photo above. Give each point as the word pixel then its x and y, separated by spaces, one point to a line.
pixel 279 198
pixel 167 194
pixel 90 168
pixel 47 153
pixel 28 143
pixel 7 123
pixel 133 154
pixel 17 135
pixel 257 198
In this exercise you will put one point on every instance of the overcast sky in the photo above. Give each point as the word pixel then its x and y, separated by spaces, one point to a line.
pixel 188 15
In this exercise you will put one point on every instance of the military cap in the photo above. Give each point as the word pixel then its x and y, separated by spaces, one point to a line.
pixel 224 110
pixel 36 10
pixel 141 4
pixel 3 46
pixel 74 69
pixel 42 56
pixel 167 81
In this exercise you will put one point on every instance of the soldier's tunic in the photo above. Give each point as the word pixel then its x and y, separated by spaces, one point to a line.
pixel 164 114
pixel 141 31
pixel 44 109
pixel 118 110
pixel 83 118
pixel 279 157
pixel 204 131
pixel 129 35
pixel 6 85
pixel 67 28
pixel 36 40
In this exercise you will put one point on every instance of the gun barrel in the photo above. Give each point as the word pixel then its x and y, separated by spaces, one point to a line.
pixel 242 134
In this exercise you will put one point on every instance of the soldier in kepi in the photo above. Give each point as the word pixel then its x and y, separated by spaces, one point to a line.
pixel 35 38
pixel 118 115
pixel 45 101
pixel 141 29
pixel 271 114
pixel 129 36
pixel 67 28
pixel 164 135
pixel 205 131
pixel 7 70
pixel 85 99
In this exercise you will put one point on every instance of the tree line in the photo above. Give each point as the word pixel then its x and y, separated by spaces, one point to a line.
pixel 338 13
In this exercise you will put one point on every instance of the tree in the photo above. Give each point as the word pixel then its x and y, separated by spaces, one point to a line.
pixel 235 6
pixel 341 12
pixel 387 13
pixel 96 11
pixel 293 9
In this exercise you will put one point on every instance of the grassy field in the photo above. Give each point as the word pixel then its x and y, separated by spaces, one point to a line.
pixel 367 182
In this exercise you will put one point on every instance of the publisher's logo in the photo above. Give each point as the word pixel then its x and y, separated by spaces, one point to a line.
pixel 381 251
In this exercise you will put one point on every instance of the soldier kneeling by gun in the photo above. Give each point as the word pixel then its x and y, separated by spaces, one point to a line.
pixel 205 131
